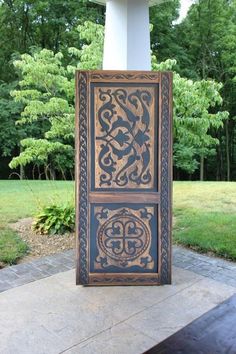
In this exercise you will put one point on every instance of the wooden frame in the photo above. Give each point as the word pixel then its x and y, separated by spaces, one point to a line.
pixel 91 200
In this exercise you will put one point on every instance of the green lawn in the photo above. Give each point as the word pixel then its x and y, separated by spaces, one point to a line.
pixel 205 213
pixel 19 199
pixel 205 217
pixel 11 246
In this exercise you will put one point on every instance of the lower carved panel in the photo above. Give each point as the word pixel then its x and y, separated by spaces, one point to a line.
pixel 123 238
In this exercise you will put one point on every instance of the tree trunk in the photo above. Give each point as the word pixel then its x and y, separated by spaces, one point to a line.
pixel 222 172
pixel 202 168
pixel 227 149
pixel 22 172
pixel 52 174
pixel 46 172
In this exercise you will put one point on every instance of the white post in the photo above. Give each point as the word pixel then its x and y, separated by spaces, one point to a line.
pixel 127 35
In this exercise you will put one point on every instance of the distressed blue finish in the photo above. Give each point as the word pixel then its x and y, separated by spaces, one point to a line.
pixel 123 238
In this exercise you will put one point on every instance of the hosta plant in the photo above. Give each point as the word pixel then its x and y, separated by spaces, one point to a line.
pixel 55 219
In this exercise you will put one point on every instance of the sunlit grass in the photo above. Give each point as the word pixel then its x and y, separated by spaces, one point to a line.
pixel 11 246
pixel 205 217
pixel 19 199
pixel 211 196
pixel 204 212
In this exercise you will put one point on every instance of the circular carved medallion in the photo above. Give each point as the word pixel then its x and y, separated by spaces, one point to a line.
pixel 123 238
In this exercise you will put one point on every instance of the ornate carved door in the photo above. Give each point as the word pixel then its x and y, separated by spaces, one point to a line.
pixel 123 177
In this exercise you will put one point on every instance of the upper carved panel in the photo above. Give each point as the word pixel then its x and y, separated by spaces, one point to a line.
pixel 124 127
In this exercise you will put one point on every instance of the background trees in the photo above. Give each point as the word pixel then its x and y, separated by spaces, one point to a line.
pixel 46 40
pixel 207 38
pixel 46 94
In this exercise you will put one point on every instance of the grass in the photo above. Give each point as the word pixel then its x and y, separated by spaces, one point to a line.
pixel 11 246
pixel 204 213
pixel 19 199
pixel 205 217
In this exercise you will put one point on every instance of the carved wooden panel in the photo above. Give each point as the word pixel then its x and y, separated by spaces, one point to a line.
pixel 121 238
pixel 124 136
pixel 123 179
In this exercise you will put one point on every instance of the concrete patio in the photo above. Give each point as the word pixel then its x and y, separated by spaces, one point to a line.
pixel 52 315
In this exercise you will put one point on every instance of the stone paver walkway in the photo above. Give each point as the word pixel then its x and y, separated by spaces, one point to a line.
pixel 24 273
pixel 210 267
pixel 214 268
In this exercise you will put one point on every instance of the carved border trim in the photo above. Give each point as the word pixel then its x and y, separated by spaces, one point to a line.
pixel 124 280
pixel 83 184
pixel 123 76
pixel 165 179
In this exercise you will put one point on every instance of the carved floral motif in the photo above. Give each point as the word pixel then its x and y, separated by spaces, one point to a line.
pixel 124 137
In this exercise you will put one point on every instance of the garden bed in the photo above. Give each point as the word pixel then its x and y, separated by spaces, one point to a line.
pixel 41 245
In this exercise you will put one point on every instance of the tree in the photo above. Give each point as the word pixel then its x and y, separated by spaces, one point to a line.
pixel 47 91
pixel 192 118
pixel 27 27
pixel 47 96
pixel 9 134
pixel 49 24
pixel 208 40
pixel 163 41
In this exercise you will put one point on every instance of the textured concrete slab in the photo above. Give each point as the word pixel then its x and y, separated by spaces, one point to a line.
pixel 52 315
pixel 119 339
pixel 167 317
pixel 213 332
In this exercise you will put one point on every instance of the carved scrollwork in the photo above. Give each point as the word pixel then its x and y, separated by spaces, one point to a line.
pixel 125 138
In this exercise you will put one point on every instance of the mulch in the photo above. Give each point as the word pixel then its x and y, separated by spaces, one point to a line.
pixel 41 245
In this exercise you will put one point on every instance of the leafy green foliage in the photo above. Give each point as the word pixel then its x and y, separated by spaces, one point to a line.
pixel 91 54
pixel 10 111
pixel 47 90
pixel 207 41
pixel 55 219
pixel 47 95
pixel 23 198
pixel 41 24
pixel 163 41
pixel 193 121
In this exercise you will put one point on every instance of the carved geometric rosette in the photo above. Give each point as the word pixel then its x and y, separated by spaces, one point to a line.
pixel 123 238
pixel 123 177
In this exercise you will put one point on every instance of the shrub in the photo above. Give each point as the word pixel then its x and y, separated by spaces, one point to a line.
pixel 55 219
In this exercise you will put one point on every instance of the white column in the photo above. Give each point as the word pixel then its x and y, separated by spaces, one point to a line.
pixel 127 35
